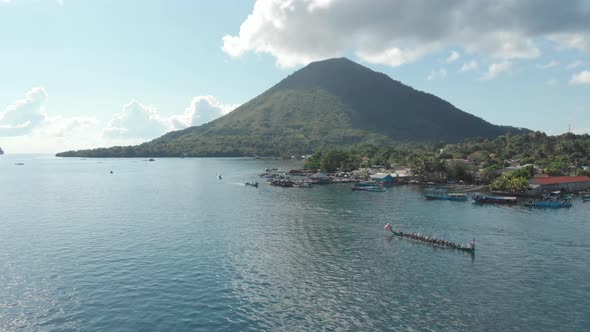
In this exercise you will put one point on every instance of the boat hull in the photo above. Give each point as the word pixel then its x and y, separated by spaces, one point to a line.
pixel 373 189
pixel 549 205
pixel 432 197
pixel 494 200
pixel 470 250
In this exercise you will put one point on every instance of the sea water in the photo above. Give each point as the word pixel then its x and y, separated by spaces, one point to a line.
pixel 168 246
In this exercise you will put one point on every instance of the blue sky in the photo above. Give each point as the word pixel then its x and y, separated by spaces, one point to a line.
pixel 83 74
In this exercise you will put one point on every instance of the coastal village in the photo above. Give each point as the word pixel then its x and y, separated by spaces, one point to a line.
pixel 558 190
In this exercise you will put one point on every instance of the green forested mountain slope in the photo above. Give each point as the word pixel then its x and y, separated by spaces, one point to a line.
pixel 327 104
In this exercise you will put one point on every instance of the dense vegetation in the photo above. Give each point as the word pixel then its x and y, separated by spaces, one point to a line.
pixel 328 104
pixel 553 155
pixel 514 181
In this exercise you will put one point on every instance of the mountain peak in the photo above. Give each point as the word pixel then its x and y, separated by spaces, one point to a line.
pixel 326 104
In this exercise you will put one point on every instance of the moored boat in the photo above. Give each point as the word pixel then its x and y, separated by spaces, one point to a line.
pixel 469 247
pixel 282 183
pixel 366 184
pixel 368 188
pixel 549 204
pixel 494 199
pixel 447 197
pixel 303 184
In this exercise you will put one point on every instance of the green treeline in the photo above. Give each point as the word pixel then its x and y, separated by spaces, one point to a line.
pixel 554 155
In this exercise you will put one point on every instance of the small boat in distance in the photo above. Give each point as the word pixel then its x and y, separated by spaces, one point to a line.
pixel 494 199
pixel 549 204
pixel 368 188
pixel 252 184
pixel 303 184
pixel 366 184
pixel 447 197
pixel 374 189
pixel 286 183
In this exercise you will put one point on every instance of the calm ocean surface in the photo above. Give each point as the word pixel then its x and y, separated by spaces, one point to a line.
pixel 166 246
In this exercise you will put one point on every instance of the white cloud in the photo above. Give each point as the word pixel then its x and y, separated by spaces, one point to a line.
pixel 393 33
pixel 497 68
pixel 578 41
pixel 468 66
pixel 581 131
pixel 582 77
pixel 137 121
pixel 437 74
pixel 394 56
pixel 503 45
pixel 202 109
pixel 26 126
pixel 454 56
pixel 550 64
pixel 574 64
pixel 60 126
pixel 25 114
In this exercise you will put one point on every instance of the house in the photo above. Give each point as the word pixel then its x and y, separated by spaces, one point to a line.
pixel 320 178
pixel 571 184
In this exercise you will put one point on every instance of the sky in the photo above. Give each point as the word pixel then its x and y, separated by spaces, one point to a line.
pixel 84 74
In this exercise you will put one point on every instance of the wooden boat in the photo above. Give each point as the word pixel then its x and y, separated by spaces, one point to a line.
pixel 470 247
pixel 375 188
pixel 282 183
pixel 494 199
pixel 549 204
pixel 447 197
pixel 303 184
pixel 252 184
pixel 366 184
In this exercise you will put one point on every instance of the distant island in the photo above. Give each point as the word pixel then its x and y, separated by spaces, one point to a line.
pixel 328 104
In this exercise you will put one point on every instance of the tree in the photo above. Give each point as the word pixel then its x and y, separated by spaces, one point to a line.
pixel 313 162
pixel 335 159
pixel 511 182
pixel 490 173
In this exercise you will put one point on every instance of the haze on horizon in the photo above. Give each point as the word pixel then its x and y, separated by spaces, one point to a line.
pixel 101 73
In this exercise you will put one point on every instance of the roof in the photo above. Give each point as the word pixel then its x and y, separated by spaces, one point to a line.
pixel 559 179
pixel 401 173
pixel 320 175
